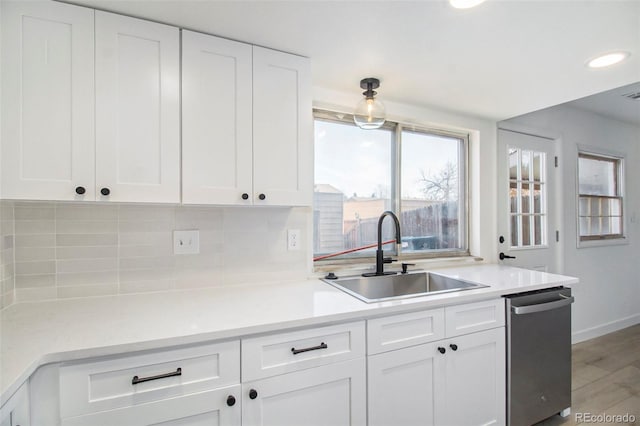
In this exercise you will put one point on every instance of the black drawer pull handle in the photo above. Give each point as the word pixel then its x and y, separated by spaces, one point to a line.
pixel 137 379
pixel 322 345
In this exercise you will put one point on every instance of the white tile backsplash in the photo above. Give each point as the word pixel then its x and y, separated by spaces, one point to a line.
pixel 62 250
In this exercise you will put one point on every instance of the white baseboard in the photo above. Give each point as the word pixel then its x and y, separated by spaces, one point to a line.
pixel 600 330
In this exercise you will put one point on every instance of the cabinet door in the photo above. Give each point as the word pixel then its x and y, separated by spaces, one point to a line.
pixel 47 101
pixel 137 109
pixel 333 394
pixel 211 408
pixel 402 386
pixel 282 129
pixel 216 120
pixel 474 390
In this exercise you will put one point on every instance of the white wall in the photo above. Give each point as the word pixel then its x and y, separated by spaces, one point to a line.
pixel 482 158
pixel 608 296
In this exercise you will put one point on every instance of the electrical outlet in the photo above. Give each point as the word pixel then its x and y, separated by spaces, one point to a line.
pixel 186 242
pixel 293 239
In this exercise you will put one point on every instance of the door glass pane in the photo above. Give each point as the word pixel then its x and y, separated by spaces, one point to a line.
pixel 537 198
pixel 525 198
pixel 528 189
pixel 513 163
pixel 514 231
pixel 513 197
pixel 526 230
pixel 526 164
pixel 538 163
pixel 538 231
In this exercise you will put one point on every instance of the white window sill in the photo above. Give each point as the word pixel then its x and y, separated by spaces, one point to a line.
pixel 603 243
pixel 320 271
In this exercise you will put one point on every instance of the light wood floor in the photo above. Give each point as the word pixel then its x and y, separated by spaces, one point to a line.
pixel 606 377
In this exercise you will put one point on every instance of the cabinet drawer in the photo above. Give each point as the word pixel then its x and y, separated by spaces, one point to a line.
pixel 401 331
pixel 199 409
pixel 472 317
pixel 107 383
pixel 275 354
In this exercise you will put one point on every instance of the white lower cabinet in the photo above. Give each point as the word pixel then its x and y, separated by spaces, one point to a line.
pixel 474 382
pixel 334 394
pixel 205 408
pixel 419 371
pixel 402 386
pixel 458 381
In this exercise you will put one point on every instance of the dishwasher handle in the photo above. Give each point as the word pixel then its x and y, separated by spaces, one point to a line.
pixel 521 310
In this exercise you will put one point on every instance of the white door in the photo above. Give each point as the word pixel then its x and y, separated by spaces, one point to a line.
pixel 47 101
pixel 474 388
pixel 137 110
pixel 217 158
pixel 527 205
pixel 401 386
pixel 333 394
pixel 210 408
pixel 282 129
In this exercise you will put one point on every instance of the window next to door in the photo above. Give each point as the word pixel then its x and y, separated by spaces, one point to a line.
pixel 600 198
pixel 418 173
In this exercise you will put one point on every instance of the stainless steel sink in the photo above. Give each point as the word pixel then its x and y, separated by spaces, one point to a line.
pixel 400 286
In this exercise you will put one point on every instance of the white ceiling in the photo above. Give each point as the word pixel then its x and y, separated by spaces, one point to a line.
pixel 614 104
pixel 498 60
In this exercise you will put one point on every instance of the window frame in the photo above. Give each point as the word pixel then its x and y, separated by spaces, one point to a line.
pixel 397 127
pixel 619 175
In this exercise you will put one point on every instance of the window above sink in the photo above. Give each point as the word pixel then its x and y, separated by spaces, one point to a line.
pixel 418 173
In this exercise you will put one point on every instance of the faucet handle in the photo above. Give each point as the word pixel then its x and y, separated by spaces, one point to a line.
pixel 405 266
pixel 389 260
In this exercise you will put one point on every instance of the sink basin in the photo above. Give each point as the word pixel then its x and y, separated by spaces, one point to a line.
pixel 400 286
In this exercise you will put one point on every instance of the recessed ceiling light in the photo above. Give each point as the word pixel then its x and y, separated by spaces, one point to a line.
pixel 465 4
pixel 607 59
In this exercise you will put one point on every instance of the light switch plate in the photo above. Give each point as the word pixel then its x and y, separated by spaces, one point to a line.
pixel 186 242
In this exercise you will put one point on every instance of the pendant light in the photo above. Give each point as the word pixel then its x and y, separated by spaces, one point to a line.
pixel 369 113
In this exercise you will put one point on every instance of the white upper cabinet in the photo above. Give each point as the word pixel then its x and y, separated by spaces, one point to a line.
pixel 47 101
pixel 282 129
pixel 216 120
pixel 246 124
pixel 137 109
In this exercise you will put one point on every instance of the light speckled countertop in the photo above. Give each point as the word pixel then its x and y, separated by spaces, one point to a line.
pixel 38 333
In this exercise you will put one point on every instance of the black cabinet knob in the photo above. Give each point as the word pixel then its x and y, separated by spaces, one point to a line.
pixel 231 400
pixel 105 191
pixel 441 349
pixel 262 196
pixel 253 394
pixel 453 346
pixel 80 190
pixel 245 196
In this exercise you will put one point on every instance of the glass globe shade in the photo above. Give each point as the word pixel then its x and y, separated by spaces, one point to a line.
pixel 369 114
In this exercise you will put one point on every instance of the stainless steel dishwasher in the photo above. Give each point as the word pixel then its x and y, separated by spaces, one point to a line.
pixel 538 355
